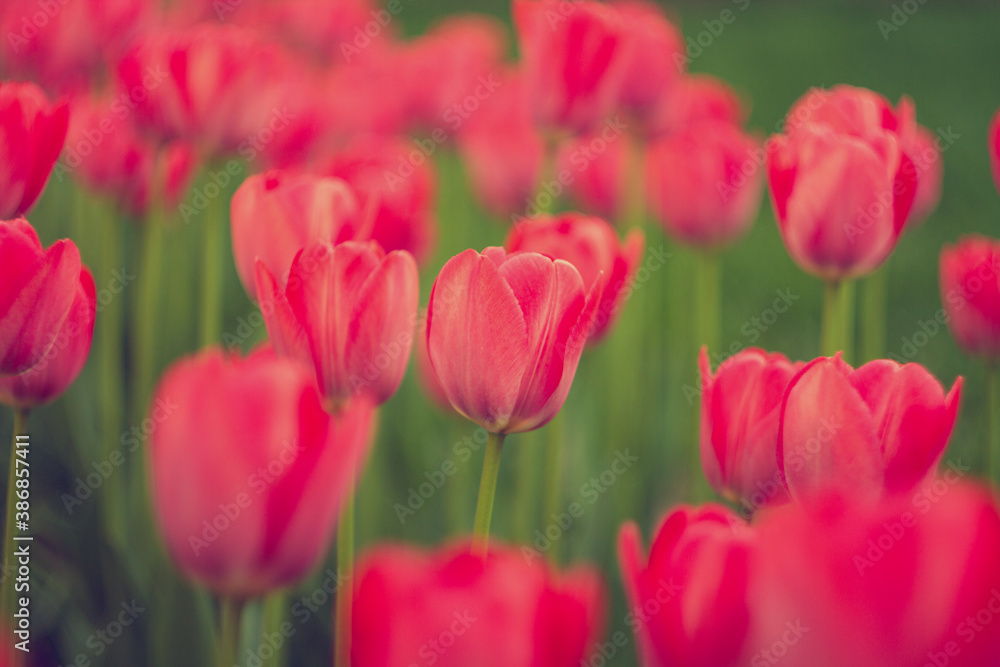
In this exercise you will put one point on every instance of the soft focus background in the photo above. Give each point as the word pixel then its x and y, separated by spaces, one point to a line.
pixel 944 56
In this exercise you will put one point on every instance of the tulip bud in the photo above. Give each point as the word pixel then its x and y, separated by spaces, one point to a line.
pixel 970 292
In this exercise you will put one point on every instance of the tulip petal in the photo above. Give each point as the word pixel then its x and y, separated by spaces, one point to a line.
pixel 283 329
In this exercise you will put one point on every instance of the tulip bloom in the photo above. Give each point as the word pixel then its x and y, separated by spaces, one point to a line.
pixel 696 98
pixel 37 292
pixel 703 184
pixel 879 428
pixel 689 599
pixel 504 610
pixel 971 294
pixel 505 334
pixel 49 378
pixel 739 436
pixel 348 311
pixel 592 246
pixel 601 178
pixel 275 215
pixel 573 62
pixel 908 581
pixel 929 166
pixel 32 133
pixel 248 472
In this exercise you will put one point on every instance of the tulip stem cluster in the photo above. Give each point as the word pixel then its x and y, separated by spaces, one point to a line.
pixel 7 589
pixel 487 492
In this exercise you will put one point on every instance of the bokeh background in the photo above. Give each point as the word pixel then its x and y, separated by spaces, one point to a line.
pixel 630 391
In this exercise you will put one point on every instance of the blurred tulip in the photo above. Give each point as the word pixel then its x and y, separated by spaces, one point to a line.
pixel 248 472
pixel 841 202
pixel 502 150
pixel 348 311
pixel 59 367
pixel 704 184
pixel 880 428
pixel 32 133
pixel 654 58
pixel 696 98
pixel 740 406
pixel 505 334
pixel 504 610
pixel 574 61
pixel 688 601
pixel 592 246
pixel 970 292
pixel 217 87
pixel 600 171
pixel 38 288
pixel 927 161
pixel 911 581
pixel 276 214
pixel 376 105
pixel 395 184
pixel 994 148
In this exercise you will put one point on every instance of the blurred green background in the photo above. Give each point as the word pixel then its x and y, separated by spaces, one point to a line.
pixel 629 392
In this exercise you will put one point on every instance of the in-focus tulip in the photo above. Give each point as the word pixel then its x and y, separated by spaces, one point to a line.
pixel 348 311
pixel 49 378
pixel 32 133
pixel 504 610
pixel 220 422
pixel 880 428
pixel 970 292
pixel 703 184
pixel 573 65
pixel 592 246
pixel 740 406
pixel 505 335
pixel 276 214
pixel 696 98
pixel 994 148
pixel 909 581
pixel 37 290
pixel 394 187
pixel 689 598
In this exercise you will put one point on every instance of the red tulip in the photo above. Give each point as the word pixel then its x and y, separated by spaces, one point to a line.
pixel 32 132
pixel 881 427
pixel 573 59
pixel 37 292
pixel 841 202
pixel 249 474
pixel 994 148
pixel 910 581
pixel 654 57
pixel 348 311
pixel 502 149
pixel 703 183
pixel 275 215
pixel 454 609
pixel 927 161
pixel 592 246
pixel 505 334
pixel 740 406
pixel 688 601
pixel 395 184
pixel 971 294
pixel 599 170
pixel 696 98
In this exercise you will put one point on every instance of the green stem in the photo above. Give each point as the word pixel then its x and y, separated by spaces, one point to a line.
pixel 709 304
pixel 528 471
pixel 553 478
pixel 634 206
pixel 991 453
pixel 848 310
pixel 274 613
pixel 230 611
pixel 832 340
pixel 7 589
pixel 146 312
pixel 345 591
pixel 487 492
pixel 548 174
pixel 874 299
pixel 212 276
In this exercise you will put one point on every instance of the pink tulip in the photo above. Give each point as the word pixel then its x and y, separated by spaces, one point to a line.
pixel 688 600
pixel 249 474
pixel 574 61
pixel 704 184
pixel 505 334
pixel 455 609
pixel 880 428
pixel 37 291
pixel 740 406
pixel 395 185
pixel 910 581
pixel 994 148
pixel 592 246
pixel 696 98
pixel 599 171
pixel 276 214
pixel 348 311
pixel 929 165
pixel 32 132
pixel 841 202
pixel 971 294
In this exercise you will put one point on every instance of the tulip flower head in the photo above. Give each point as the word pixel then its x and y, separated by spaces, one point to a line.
pixel 970 293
